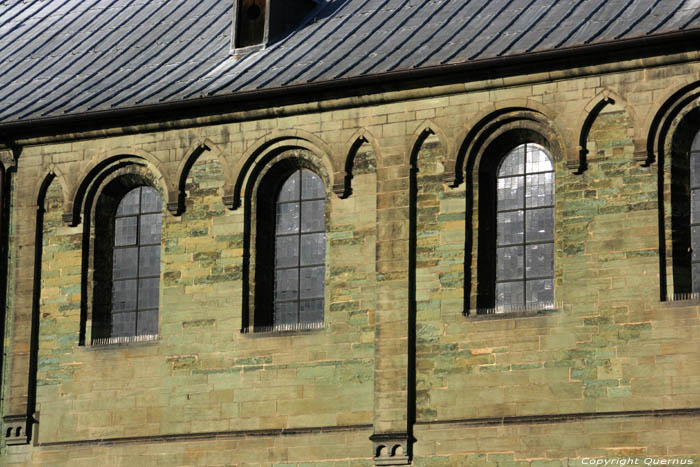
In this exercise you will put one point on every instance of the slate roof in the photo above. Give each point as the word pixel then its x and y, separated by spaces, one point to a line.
pixel 64 57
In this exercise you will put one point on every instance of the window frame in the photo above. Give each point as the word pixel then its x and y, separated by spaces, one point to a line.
pixel 299 234
pixel 139 245
pixel 525 243
pixel 260 202
pixel 486 209
pixel 101 206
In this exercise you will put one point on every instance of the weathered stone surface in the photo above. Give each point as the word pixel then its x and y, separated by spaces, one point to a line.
pixel 401 273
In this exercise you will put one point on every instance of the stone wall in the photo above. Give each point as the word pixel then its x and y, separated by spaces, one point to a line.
pixel 613 370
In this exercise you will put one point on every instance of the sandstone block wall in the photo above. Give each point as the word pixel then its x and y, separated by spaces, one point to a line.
pixel 613 370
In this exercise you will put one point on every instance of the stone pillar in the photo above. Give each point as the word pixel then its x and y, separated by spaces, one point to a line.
pixel 391 424
pixel 18 406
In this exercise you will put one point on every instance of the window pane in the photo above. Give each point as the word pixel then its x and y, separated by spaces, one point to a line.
pixel 540 292
pixel 149 261
pixel 514 163
pixel 695 168
pixel 539 224
pixel 511 227
pixel 311 311
pixel 287 218
pixel 125 231
pixel 539 260
pixel 539 190
pixel 695 206
pixel 125 263
pixel 696 277
pixel 148 293
pixel 312 282
pixel 150 200
pixel 509 263
pixel 312 186
pixel 510 193
pixel 287 284
pixel 123 324
pixel 147 323
pixel 695 243
pixel 287 251
pixel 537 160
pixel 129 203
pixel 313 249
pixel 124 295
pixel 150 228
pixel 290 189
pixel 313 216
pixel 286 313
pixel 510 294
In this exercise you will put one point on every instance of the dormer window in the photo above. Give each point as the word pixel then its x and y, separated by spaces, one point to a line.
pixel 251 23
pixel 260 22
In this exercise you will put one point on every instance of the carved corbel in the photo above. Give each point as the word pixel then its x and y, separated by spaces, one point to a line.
pixel 15 430
pixel 392 448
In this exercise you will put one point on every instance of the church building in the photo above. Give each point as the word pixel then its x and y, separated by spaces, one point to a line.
pixel 339 233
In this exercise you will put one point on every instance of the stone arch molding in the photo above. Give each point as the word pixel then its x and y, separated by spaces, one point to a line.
pixel 176 195
pixel 53 173
pixel 273 143
pixel 577 157
pixel 104 163
pixel 422 132
pixel 343 178
pixel 499 119
pixel 664 116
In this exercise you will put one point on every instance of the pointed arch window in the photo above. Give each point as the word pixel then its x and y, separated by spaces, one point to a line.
pixel 524 276
pixel 300 251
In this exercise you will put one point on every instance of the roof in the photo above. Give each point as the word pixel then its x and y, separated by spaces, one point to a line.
pixel 66 57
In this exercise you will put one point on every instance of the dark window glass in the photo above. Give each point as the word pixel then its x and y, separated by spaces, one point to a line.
pixel 251 22
pixel 695 213
pixel 525 229
pixel 136 265
pixel 300 251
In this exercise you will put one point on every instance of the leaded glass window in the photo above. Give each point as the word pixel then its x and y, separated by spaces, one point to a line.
pixel 300 251
pixel 695 213
pixel 136 264
pixel 525 230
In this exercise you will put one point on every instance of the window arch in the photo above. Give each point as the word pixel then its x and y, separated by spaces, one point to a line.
pixel 127 263
pixel 516 250
pixel 290 248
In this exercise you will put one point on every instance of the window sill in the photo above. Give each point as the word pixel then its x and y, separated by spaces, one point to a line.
pixel 482 315
pixel 241 51
pixel 309 328
pixel 131 341
pixel 681 302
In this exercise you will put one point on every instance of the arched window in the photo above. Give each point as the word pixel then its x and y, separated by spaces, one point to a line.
pixel 524 276
pixel 695 214
pixel 300 251
pixel 130 312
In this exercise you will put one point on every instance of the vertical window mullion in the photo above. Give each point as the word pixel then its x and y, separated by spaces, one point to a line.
pixel 301 188
pixel 524 247
pixel 138 265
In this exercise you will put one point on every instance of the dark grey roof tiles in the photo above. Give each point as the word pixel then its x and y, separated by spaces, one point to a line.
pixel 62 57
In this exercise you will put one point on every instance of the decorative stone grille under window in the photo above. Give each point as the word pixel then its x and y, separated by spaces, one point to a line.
pixel 525 230
pixel 300 252
pixel 136 267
